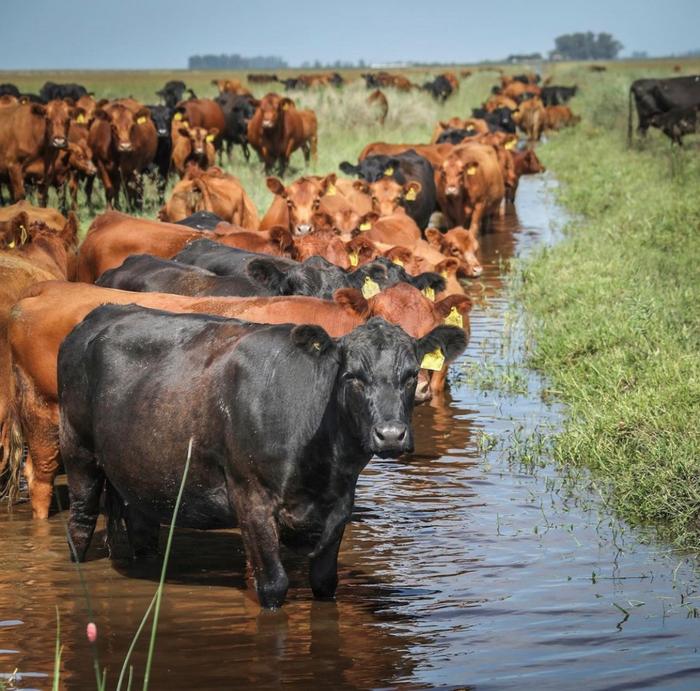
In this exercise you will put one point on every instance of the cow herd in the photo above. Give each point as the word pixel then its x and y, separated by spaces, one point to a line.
pixel 289 347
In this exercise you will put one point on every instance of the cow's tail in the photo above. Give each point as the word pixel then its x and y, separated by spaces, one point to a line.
pixel 629 118
pixel 11 456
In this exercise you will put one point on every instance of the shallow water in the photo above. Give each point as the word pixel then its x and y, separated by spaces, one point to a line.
pixel 460 569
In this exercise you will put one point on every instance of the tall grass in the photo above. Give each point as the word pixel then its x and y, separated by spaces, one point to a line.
pixel 615 310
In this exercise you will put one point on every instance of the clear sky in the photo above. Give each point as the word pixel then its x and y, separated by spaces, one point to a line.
pixel 66 34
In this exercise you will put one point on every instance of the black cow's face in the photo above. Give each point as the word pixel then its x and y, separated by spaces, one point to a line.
pixel 316 277
pixel 162 117
pixel 377 381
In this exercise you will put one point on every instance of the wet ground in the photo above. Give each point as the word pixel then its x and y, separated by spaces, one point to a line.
pixel 463 568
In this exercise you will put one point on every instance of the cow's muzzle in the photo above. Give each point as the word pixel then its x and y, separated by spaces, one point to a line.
pixel 59 143
pixel 125 146
pixel 391 439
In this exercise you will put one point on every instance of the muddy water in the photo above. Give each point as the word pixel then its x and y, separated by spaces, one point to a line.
pixel 460 569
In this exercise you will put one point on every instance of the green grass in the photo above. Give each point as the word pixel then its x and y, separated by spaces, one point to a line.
pixel 615 310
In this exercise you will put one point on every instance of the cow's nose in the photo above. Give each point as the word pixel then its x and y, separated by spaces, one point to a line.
pixel 390 438
pixel 475 271
pixel 451 191
pixel 125 146
pixel 59 142
pixel 162 133
pixel 303 229
pixel 423 393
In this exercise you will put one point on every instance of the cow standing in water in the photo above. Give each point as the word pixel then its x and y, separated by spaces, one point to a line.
pixel 288 418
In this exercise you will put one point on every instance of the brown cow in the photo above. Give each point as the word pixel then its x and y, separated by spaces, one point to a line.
pixel 194 147
pixel 387 195
pixel 30 132
pixel 47 255
pixel 530 118
pixel 230 86
pixel 114 236
pixel 516 90
pixel 275 131
pixel 49 312
pixel 557 117
pixel 215 191
pixel 295 205
pixel 377 100
pixel 476 125
pixel 524 163
pixel 470 185
pixel 200 112
pixel 395 229
pixel 51 217
pixel 124 144
pixel 500 101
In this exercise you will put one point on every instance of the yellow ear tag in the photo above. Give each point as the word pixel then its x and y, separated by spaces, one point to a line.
pixel 398 261
pixel 471 170
pixel 454 318
pixel 510 145
pixel 389 171
pixel 443 274
pixel 331 191
pixel 177 116
pixel 433 360
pixel 354 258
pixel 141 120
pixel 365 226
pixel 80 119
pixel 285 106
pixel 470 128
pixel 369 288
pixel 429 292
pixel 210 137
pixel 410 195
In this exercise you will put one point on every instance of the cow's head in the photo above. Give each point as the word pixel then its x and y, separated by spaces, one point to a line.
pixel 459 243
pixel 162 117
pixel 377 378
pixel 388 194
pixel 199 138
pixel 80 158
pixel 122 123
pixel 303 198
pixel 527 163
pixel 272 109
pixel 452 171
pixel 58 115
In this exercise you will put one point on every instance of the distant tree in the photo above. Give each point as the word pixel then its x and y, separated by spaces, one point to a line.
pixel 586 46
pixel 235 62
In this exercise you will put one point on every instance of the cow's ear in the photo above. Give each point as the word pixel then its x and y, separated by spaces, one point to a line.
pixel 286 103
pixel 312 339
pixel 448 266
pixel 253 102
pixel 429 279
pixel 275 186
pixel 183 131
pixel 79 115
pixel 460 303
pixel 213 133
pixel 101 114
pixel 102 103
pixel 282 238
pixel 348 168
pixel 471 167
pixel 435 238
pixel 367 221
pixel 449 340
pixel 37 109
pixel 141 115
pixel 328 182
pixel 265 272
pixel 444 125
pixel 322 221
pixel 412 189
pixel 352 301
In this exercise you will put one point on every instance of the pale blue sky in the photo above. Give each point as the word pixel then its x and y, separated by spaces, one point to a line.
pixel 56 34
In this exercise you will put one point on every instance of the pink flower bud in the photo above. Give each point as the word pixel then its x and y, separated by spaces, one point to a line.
pixel 91 632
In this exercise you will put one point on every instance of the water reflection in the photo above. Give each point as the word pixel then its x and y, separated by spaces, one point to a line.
pixel 457 571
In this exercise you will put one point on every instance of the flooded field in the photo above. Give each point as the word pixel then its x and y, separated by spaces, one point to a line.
pixel 462 567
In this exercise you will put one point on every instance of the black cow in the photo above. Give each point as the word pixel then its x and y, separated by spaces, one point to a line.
pixel 51 91
pixel 455 135
pixel 144 273
pixel 557 95
pixel 261 78
pixel 238 110
pixel 162 117
pixel 525 79
pixel 656 96
pixel 201 220
pixel 336 79
pixel 403 167
pixel 440 88
pixel 292 83
pixel 314 277
pixel 8 89
pixel 677 123
pixel 498 120
pixel 173 91
pixel 286 420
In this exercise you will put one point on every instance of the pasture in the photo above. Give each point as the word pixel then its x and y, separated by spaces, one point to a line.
pixel 556 483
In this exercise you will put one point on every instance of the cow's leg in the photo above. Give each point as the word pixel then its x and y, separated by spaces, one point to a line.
pixel 246 151
pixel 477 215
pixel 323 571
pixel 16 182
pixel 261 540
pixel 143 532
pixel 85 482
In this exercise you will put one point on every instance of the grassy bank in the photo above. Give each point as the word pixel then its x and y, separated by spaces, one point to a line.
pixel 615 311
